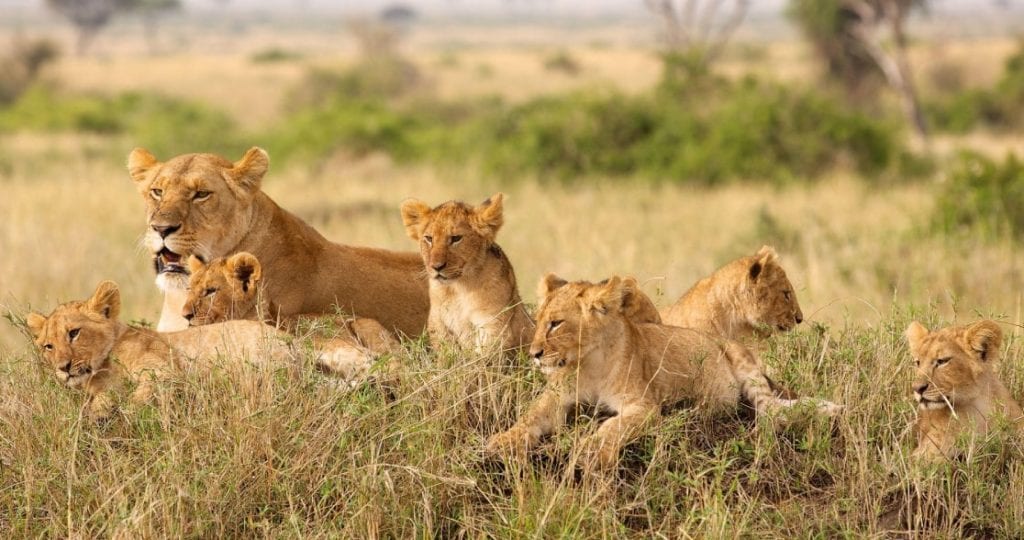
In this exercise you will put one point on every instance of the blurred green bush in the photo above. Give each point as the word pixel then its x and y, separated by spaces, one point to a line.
pixel 982 196
pixel 999 107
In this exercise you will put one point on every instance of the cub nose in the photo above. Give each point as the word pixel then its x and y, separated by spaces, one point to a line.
pixel 66 368
pixel 189 315
pixel 799 318
pixel 536 353
pixel 919 389
pixel 165 230
pixel 438 266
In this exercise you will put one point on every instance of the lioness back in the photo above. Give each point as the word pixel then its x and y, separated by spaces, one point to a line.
pixel 207 206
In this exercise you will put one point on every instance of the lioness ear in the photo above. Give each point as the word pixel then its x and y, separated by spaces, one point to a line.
pixel 548 284
pixel 985 338
pixel 414 213
pixel 140 162
pixel 246 270
pixel 764 257
pixel 248 172
pixel 195 264
pixel 636 305
pixel 488 217
pixel 35 323
pixel 106 300
pixel 915 335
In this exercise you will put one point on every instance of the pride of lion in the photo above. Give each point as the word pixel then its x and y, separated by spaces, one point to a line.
pixel 242 277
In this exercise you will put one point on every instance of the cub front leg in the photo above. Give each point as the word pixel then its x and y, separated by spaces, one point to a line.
pixel 602 448
pixel 101 406
pixel 544 416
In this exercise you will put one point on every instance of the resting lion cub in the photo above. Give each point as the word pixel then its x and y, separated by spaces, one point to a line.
pixel 956 386
pixel 231 288
pixel 592 351
pixel 473 296
pixel 750 296
pixel 90 349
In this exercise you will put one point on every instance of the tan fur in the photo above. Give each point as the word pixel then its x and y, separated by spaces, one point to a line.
pixel 90 349
pixel 230 288
pixel 592 351
pixel 209 207
pixel 474 300
pixel 956 386
pixel 748 297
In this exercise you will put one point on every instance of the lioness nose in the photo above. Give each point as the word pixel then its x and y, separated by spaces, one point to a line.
pixel 189 315
pixel 438 266
pixel 66 368
pixel 919 389
pixel 165 230
pixel 799 318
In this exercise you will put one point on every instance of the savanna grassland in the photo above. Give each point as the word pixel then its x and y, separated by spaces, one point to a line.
pixel 290 454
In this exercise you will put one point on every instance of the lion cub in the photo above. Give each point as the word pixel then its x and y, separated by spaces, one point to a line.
pixel 593 351
pixel 473 296
pixel 748 297
pixel 231 288
pixel 956 386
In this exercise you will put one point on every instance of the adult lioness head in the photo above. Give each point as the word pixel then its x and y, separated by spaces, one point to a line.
pixel 196 204
pixel 76 339
pixel 952 362
pixel 224 290
pixel 453 237
pixel 577 318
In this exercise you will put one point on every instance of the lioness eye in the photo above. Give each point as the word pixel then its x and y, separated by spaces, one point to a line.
pixel 74 333
pixel 209 291
pixel 941 362
pixel 156 193
pixel 201 195
pixel 456 239
pixel 554 325
pixel 428 239
pixel 48 346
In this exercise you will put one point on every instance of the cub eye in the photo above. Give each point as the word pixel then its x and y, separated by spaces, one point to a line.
pixel 74 333
pixel 785 294
pixel 456 239
pixel 209 291
pixel 48 347
pixel 941 362
pixel 156 193
pixel 429 240
pixel 200 195
pixel 553 325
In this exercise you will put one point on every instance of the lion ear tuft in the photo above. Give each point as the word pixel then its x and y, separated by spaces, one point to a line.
pixel 35 323
pixel 248 172
pixel 548 284
pixel 489 215
pixel 414 214
pixel 915 334
pixel 140 162
pixel 985 338
pixel 245 268
pixel 106 300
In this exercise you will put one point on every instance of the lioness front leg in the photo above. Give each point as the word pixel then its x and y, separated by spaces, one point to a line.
pixel 602 448
pixel 544 416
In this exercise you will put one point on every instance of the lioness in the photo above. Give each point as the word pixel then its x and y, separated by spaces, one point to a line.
pixel 204 205
pixel 90 349
pixel 473 295
pixel 750 296
pixel 230 288
pixel 592 351
pixel 956 386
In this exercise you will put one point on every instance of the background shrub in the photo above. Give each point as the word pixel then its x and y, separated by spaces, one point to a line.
pixel 982 196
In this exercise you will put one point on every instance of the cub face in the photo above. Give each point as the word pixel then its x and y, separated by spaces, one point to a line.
pixel 949 362
pixel 454 237
pixel 772 301
pixel 575 319
pixel 196 204
pixel 77 337
pixel 223 290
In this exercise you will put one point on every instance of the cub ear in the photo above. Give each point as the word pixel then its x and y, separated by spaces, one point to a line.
pixel 489 216
pixel 414 214
pixel 140 162
pixel 106 300
pixel 548 284
pixel 248 172
pixel 985 338
pixel 915 333
pixel 195 264
pixel 245 268
pixel 762 259
pixel 35 323
pixel 608 295
pixel 636 305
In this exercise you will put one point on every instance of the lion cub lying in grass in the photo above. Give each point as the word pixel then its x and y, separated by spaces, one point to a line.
pixel 592 350
pixel 748 297
pixel 90 349
pixel 231 288
pixel 474 300
pixel 956 386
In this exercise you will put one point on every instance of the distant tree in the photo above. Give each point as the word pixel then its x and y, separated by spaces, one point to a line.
pixel 22 64
pixel 696 32
pixel 90 16
pixel 151 11
pixel 864 42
